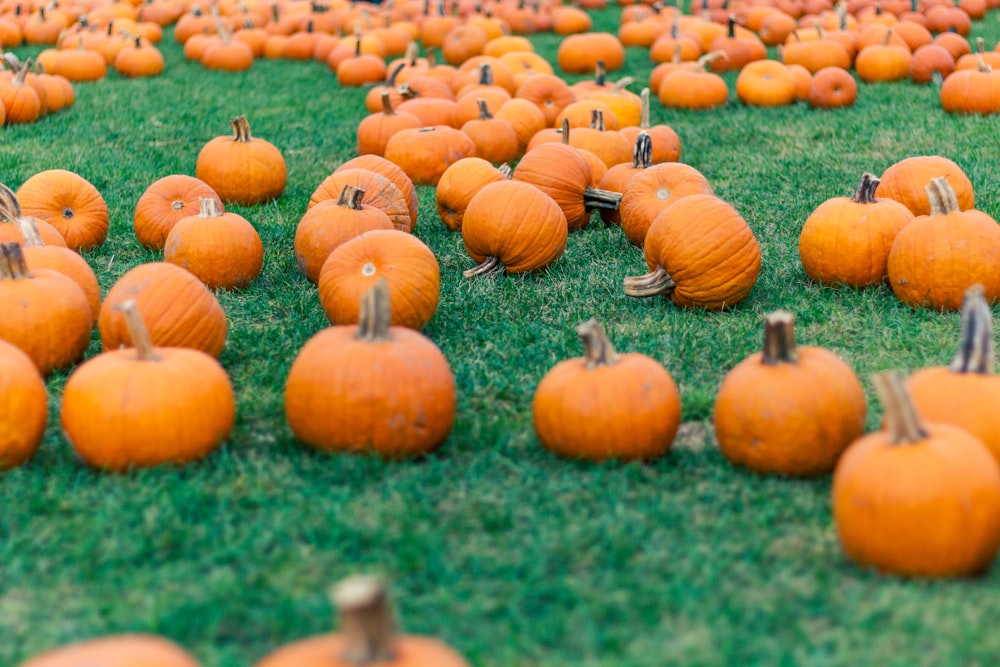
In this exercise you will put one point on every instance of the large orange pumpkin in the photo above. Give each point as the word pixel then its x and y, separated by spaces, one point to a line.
pixel 69 203
pixel 371 387
pixel 242 169
pixel 788 410
pixel 147 406
pixel 24 407
pixel 917 499
pixel 606 405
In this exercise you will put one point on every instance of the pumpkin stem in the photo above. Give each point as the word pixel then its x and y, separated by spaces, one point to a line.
pixel 565 131
pixel 506 171
pixel 351 197
pixel 489 266
pixel 865 194
pixel 642 152
pixel 709 58
pixel 622 83
pixel 676 58
pixel 902 420
pixel 390 82
pixel 976 352
pixel 600 73
pixel 731 27
pixel 941 196
pixel 12 264
pixel 598 350
pixel 241 130
pixel 208 207
pixel 485 75
pixel 651 284
pixel 29 230
pixel 410 56
pixel 137 331
pixel 597 119
pixel 603 199
pixel 375 316
pixel 387 104
pixel 484 111
pixel 644 109
pixel 10 208
pixel 366 620
pixel 779 338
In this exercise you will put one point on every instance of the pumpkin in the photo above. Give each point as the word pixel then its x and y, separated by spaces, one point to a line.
pixel 164 203
pixel 917 499
pixel 815 54
pixel 20 101
pixel 424 153
pixel 524 117
pixel 143 407
pixel 547 92
pixel 377 190
pixel 331 223
pixel 495 140
pixel 618 176
pixel 227 54
pixel 69 203
pixel 937 257
pixel 765 83
pixel 11 215
pixel 384 167
pixel 701 254
pixel 653 189
pixel 846 240
pixel 609 146
pixel 179 311
pixel 24 407
pixel 116 651
pixel 666 145
pixel 37 255
pixel 694 88
pixel 974 90
pixel 579 53
pixel 53 322
pixel 139 59
pixel 361 69
pixel 401 400
pixel 788 410
pixel 906 180
pixel 408 266
pixel 374 131
pixel 606 405
pixel 368 636
pixel 221 248
pixel 513 226
pixel 964 393
pixel 242 169
pixel 832 87
pixel 928 60
pixel 460 183
pixel 883 62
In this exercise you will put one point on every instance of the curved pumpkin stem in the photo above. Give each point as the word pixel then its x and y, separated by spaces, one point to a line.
pixel 137 331
pixel 12 264
pixel 902 420
pixel 387 109
pixel 375 317
pixel 29 230
pixel 652 284
pixel 976 353
pixel 865 194
pixel 10 208
pixel 366 620
pixel 941 196
pixel 351 197
pixel 489 266
pixel 598 350
pixel 241 130
pixel 779 338
pixel 709 58
pixel 644 109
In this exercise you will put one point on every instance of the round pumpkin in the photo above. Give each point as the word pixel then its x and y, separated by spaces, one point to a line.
pixel 24 407
pixel 371 387
pixel 788 410
pixel 654 189
pixel 424 153
pixel 906 180
pixel 165 202
pixel 460 183
pixel 221 248
pixel 127 650
pixel 242 169
pixel 606 405
pixel 37 255
pixel 69 203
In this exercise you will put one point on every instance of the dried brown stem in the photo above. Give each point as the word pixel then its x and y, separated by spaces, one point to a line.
pixel 976 353
pixel 137 331
pixel 375 317
pixel 489 266
pixel 902 420
pixel 652 284
pixel 598 350
pixel 366 621
pixel 779 338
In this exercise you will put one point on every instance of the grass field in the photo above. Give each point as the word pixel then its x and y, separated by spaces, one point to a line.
pixel 510 554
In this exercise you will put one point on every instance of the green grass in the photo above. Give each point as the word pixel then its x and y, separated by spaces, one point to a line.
pixel 510 554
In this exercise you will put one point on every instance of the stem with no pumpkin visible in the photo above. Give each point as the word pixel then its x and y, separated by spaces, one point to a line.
pixel 598 350
pixel 779 338
pixel 652 284
pixel 902 421
pixel 366 621
pixel 976 352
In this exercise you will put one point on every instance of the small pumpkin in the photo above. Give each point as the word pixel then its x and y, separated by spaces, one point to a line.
pixel 148 406
pixel 69 203
pixel 384 167
pixel 906 181
pixel 407 265
pixel 606 405
pixel 788 410
pixel 377 190
pixel 832 87
pixel 401 401
pixel 653 189
pixel 917 499
pixel 24 407
pixel 221 248
pixel 368 636
pixel 242 169
pixel 495 140
pixel 374 131
pixel 701 254
pixel 164 203
pixel 460 183
pixel 424 153
pixel 666 145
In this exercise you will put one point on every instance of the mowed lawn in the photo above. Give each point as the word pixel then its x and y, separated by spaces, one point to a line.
pixel 512 555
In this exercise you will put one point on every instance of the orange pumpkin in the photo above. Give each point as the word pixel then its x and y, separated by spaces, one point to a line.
pixel 495 140
pixel 384 167
pixel 513 226
pixel 179 311
pixel 788 410
pixel 374 131
pixel 407 265
pixel 222 249
pixel 666 145
pixel 846 240
pixel 917 499
pixel 69 203
pixel 147 406
pixel 242 169
pixel 652 190
pixel 24 407
pixel 832 87
pixel 424 153
pixel 547 92
pixel 37 255
pixel 460 183
pixel 765 83
pixel 906 180
pixel 116 651
pixel 377 190
pixel 53 324
pixel 165 202
pixel 401 400
pixel 618 176
pixel 701 254
pixel 606 405
pixel 368 637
